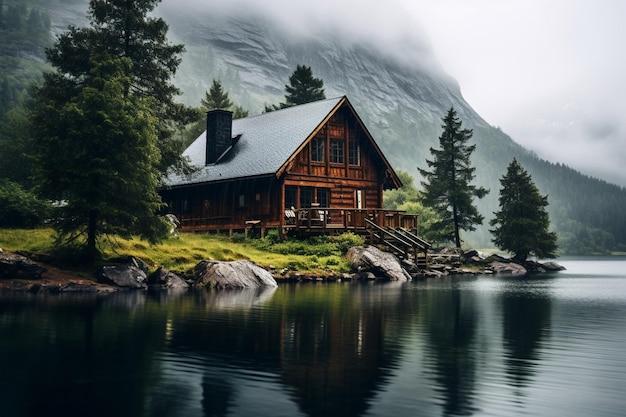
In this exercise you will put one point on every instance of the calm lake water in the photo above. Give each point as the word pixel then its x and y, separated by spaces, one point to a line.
pixel 550 345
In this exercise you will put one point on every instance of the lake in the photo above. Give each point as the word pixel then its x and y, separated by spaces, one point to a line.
pixel 548 345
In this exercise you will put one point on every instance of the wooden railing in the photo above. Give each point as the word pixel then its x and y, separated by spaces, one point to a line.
pixel 401 241
pixel 349 219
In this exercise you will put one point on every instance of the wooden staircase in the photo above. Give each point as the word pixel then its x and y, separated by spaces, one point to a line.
pixel 403 243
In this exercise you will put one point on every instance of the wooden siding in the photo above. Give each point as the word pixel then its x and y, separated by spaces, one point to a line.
pixel 331 169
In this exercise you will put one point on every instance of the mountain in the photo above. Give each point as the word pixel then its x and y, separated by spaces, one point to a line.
pixel 402 102
pixel 401 96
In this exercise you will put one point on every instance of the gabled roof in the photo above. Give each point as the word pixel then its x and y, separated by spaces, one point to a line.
pixel 266 143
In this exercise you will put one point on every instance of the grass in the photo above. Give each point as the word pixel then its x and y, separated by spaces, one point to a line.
pixel 180 254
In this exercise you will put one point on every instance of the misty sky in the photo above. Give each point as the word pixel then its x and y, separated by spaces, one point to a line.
pixel 550 73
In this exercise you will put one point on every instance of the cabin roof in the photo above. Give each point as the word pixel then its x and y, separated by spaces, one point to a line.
pixel 265 143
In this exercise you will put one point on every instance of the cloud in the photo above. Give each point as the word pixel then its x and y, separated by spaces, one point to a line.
pixel 549 73
pixel 387 26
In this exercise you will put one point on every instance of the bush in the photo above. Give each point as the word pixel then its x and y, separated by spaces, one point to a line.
pixel 347 240
pixel 273 236
pixel 238 237
pixel 20 208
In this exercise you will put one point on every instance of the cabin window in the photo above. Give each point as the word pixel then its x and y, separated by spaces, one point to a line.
pixel 241 203
pixel 322 197
pixel 291 196
pixel 317 150
pixel 336 151
pixel 306 197
pixel 354 155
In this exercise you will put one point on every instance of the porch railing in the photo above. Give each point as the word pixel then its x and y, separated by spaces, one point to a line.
pixel 349 219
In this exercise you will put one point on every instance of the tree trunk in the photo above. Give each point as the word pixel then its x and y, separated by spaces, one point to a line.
pixel 92 251
pixel 457 236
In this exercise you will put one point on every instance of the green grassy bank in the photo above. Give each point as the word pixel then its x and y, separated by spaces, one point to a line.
pixel 314 256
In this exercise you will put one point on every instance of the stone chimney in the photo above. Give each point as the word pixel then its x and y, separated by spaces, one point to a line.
pixel 219 137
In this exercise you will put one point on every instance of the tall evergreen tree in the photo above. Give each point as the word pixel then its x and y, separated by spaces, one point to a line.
pixel 302 88
pixel 217 98
pixel 447 188
pixel 522 224
pixel 124 29
pixel 97 153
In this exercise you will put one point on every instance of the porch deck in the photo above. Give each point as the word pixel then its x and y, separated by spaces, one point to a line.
pixel 314 220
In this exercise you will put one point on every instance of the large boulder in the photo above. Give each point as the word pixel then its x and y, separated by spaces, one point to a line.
pixel 507 268
pixel 238 274
pixel 162 278
pixel 17 266
pixel 127 276
pixel 382 264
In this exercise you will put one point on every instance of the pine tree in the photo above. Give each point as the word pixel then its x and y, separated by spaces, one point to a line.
pixel 302 88
pixel 217 98
pixel 522 224
pixel 124 29
pixel 447 188
pixel 97 153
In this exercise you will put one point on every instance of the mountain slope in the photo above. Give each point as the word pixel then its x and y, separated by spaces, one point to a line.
pixel 401 102
pixel 401 98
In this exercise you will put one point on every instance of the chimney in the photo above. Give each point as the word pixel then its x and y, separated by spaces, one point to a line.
pixel 219 127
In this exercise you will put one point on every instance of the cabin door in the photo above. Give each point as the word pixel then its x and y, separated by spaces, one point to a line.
pixel 359 199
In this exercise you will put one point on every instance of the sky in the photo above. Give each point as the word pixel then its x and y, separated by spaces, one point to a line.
pixel 550 73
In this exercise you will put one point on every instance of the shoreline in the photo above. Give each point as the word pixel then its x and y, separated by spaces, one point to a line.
pixel 51 279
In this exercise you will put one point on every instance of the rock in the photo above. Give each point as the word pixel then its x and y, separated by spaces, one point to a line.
pixel 238 274
pixel 127 276
pixel 507 268
pixel 172 224
pixel 18 266
pixel 132 261
pixel 167 280
pixel 73 287
pixel 382 264
pixel 553 266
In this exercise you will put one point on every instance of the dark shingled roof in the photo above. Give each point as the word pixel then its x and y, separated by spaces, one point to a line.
pixel 266 142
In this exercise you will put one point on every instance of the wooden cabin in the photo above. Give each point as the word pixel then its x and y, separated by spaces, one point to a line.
pixel 313 168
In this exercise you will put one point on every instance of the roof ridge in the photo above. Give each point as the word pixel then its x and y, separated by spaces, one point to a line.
pixel 294 107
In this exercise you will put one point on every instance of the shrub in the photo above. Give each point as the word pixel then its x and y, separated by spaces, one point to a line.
pixel 347 240
pixel 238 237
pixel 20 208
pixel 273 236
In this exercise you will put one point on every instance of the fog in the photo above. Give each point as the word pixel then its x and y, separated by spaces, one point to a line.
pixel 550 74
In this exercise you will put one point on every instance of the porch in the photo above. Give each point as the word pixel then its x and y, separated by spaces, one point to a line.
pixel 307 221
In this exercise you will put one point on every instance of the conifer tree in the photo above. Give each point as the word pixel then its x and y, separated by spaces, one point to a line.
pixel 447 188
pixel 97 153
pixel 217 98
pixel 104 121
pixel 125 29
pixel 521 227
pixel 302 88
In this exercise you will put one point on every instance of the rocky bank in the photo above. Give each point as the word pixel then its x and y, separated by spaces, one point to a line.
pixel 18 272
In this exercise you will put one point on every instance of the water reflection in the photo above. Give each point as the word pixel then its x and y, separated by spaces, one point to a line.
pixel 526 311
pixel 455 346
pixel 451 332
